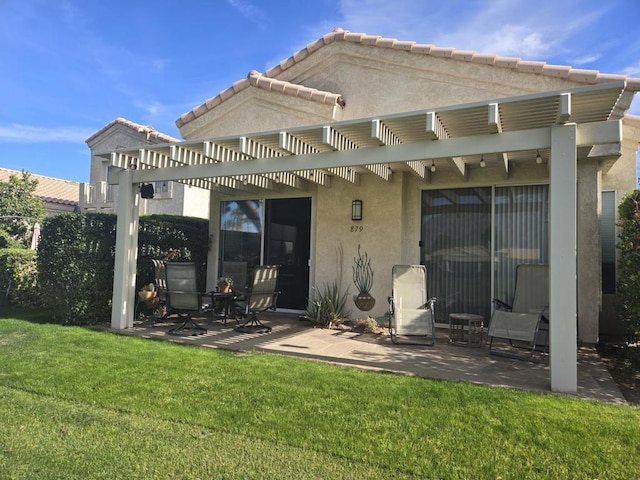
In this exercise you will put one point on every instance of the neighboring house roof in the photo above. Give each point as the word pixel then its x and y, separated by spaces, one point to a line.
pixel 51 190
pixel 267 80
pixel 152 133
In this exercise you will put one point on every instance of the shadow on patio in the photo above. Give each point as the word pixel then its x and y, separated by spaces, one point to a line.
pixel 291 336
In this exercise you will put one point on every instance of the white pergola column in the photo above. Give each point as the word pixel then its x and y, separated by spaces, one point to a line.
pixel 124 272
pixel 562 260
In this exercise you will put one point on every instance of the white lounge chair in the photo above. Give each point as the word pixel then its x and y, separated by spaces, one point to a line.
pixel 411 313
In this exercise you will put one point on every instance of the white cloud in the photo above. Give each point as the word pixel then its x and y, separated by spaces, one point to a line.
pixel 249 11
pixel 18 133
pixel 531 30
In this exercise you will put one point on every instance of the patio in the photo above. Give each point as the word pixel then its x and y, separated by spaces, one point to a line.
pixel 292 336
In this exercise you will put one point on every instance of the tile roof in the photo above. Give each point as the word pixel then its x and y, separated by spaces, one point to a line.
pixel 52 190
pixel 514 63
pixel 151 132
pixel 256 79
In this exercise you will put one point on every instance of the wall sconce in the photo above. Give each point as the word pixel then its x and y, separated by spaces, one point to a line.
pixel 482 162
pixel 356 210
pixel 433 166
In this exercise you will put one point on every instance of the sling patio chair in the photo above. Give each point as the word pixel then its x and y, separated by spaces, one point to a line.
pixel 262 296
pixel 520 326
pixel 183 297
pixel 411 313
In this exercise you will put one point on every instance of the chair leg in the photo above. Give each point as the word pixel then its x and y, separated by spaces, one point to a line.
pixel 188 325
pixel 253 325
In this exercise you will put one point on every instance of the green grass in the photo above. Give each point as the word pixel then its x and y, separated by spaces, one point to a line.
pixel 87 404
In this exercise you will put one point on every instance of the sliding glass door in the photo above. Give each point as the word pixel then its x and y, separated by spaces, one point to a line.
pixel 270 232
pixel 472 240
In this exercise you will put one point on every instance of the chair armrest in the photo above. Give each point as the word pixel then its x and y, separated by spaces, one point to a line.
pixel 500 305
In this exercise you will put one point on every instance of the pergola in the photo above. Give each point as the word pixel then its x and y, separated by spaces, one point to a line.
pixel 564 125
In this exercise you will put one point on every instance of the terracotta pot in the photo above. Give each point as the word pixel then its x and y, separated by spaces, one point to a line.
pixel 364 301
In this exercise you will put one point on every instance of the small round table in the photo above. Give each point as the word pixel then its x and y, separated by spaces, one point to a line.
pixel 466 329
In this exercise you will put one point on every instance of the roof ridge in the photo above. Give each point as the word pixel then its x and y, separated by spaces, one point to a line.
pixel 39 175
pixel 339 34
pixel 265 82
pixel 149 130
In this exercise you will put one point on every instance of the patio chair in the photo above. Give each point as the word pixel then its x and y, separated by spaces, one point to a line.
pixel 411 313
pixel 236 271
pixel 520 324
pixel 263 296
pixel 183 297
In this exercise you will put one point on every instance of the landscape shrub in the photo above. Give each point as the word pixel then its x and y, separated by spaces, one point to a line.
pixel 628 287
pixel 327 307
pixel 76 259
pixel 19 277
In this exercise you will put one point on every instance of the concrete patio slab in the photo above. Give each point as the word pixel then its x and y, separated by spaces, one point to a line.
pixel 292 336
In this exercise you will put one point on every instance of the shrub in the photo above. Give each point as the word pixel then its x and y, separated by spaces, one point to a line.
pixel 75 266
pixel 77 252
pixel 327 307
pixel 19 277
pixel 628 287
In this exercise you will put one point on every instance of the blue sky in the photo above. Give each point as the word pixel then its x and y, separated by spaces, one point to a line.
pixel 69 67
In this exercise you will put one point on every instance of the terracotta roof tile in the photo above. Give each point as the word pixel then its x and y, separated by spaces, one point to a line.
pixel 515 63
pixel 52 190
pixel 150 131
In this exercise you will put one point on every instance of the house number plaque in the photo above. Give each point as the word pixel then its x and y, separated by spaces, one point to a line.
pixel 356 228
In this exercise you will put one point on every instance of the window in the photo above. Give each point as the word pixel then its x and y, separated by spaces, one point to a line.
pixel 162 189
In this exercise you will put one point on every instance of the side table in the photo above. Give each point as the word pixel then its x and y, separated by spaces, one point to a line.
pixel 221 305
pixel 466 329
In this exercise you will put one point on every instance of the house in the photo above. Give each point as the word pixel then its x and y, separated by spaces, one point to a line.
pixel 169 197
pixel 59 195
pixel 468 163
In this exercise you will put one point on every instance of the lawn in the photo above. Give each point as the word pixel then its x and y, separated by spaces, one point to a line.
pixel 87 404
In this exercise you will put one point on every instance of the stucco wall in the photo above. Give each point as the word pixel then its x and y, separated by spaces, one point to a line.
pixel 256 110
pixel 377 80
pixel 379 233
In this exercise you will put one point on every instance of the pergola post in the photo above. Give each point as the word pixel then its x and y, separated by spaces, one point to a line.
pixel 124 272
pixel 562 259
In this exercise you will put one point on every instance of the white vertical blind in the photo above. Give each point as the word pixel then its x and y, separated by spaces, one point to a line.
pixel 456 243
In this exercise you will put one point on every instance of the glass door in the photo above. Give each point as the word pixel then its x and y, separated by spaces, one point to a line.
pixel 271 232
pixel 456 249
pixel 474 238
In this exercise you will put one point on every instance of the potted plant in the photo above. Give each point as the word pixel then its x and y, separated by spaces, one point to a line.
pixel 225 284
pixel 363 280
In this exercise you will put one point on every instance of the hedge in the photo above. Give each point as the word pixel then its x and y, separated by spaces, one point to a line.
pixel 628 287
pixel 76 258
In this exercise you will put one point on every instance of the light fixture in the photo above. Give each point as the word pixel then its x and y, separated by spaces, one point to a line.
pixel 146 190
pixel 538 157
pixel 482 162
pixel 433 166
pixel 356 210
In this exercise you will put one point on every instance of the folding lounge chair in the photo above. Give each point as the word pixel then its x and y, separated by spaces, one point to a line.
pixel 183 297
pixel 520 324
pixel 411 314
pixel 263 296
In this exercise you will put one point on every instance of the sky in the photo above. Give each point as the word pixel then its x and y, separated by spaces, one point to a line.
pixel 69 67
